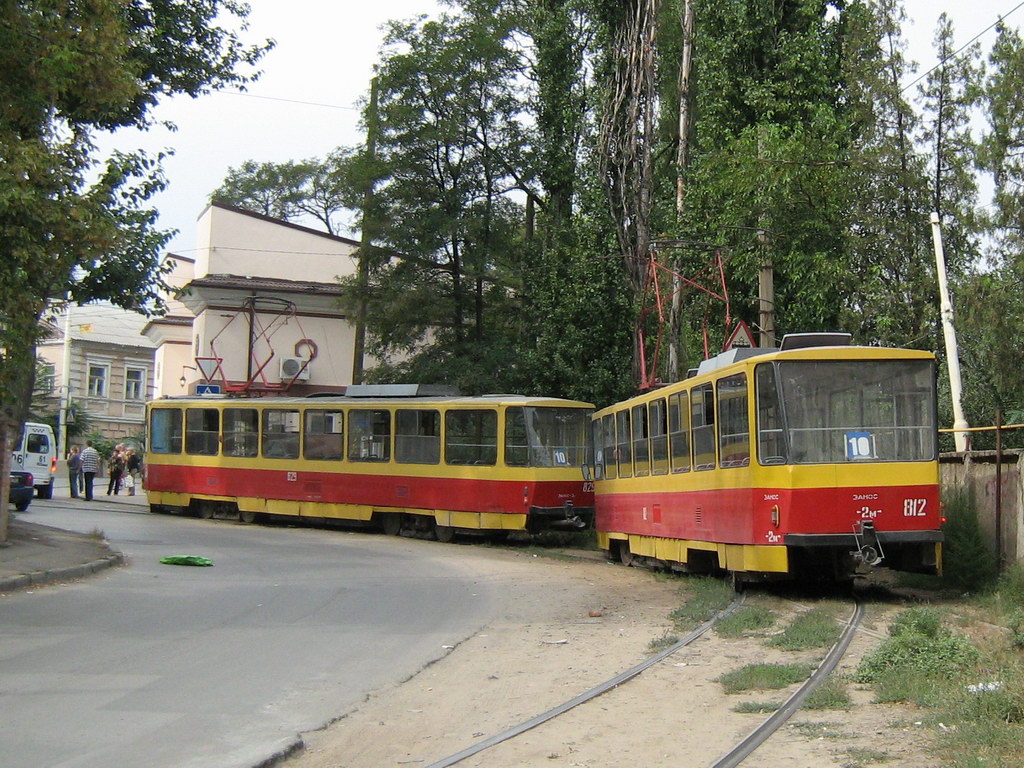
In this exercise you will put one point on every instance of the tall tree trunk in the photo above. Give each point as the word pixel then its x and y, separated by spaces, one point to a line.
pixel 675 356
pixel 365 241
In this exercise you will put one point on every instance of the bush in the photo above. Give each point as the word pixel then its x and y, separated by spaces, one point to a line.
pixel 967 562
pixel 918 643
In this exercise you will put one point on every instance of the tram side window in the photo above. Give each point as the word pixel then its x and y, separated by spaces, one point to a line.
pixel 280 434
pixel 323 438
pixel 607 455
pixel 623 447
pixel 517 441
pixel 641 446
pixel 417 437
pixel 471 437
pixel 733 422
pixel 241 432
pixel 165 430
pixel 702 417
pixel 771 438
pixel 679 431
pixel 369 435
pixel 658 427
pixel 202 431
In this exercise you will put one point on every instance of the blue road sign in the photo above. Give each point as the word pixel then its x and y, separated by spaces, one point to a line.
pixel 207 389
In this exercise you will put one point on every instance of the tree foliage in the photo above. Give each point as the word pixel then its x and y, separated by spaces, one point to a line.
pixel 530 161
pixel 74 225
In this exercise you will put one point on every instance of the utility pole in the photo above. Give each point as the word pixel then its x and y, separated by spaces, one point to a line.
pixel 365 239
pixel 949 335
pixel 65 387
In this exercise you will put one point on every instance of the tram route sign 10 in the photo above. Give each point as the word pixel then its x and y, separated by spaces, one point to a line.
pixel 207 389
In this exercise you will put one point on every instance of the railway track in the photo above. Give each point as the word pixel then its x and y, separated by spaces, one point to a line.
pixel 733 756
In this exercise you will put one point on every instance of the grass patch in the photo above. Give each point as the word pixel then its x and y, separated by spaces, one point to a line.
pixel 918 644
pixel 747 620
pixel 97 534
pixel 755 707
pixel 816 628
pixel 818 730
pixel 659 644
pixel 764 676
pixel 831 694
pixel 706 597
pixel 973 696
pixel 860 756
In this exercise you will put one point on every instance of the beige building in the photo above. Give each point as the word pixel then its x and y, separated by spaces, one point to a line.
pixel 258 311
pixel 97 358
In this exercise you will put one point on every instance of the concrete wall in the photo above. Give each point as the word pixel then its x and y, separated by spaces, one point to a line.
pixel 234 243
pixel 975 471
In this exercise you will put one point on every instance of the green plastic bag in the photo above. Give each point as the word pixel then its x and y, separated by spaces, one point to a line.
pixel 186 560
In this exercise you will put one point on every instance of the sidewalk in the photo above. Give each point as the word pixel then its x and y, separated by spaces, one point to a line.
pixel 38 554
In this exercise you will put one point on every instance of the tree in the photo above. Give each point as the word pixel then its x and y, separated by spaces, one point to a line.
pixel 1002 147
pixel 73 225
pixel 949 95
pixel 320 189
pixel 892 295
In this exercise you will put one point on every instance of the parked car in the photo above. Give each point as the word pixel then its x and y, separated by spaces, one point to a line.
pixel 35 451
pixel 22 490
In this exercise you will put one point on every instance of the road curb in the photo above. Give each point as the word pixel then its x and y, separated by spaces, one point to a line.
pixel 68 573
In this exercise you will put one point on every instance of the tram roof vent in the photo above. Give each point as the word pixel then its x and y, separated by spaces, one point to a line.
pixel 734 355
pixel 401 390
pixel 805 340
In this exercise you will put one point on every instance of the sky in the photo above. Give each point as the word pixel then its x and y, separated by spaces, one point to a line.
pixel 307 101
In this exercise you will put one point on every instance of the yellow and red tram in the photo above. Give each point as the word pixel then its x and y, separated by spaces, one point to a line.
pixel 775 463
pixel 384 455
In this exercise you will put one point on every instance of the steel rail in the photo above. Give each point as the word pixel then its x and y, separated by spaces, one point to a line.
pixel 761 734
pixel 586 696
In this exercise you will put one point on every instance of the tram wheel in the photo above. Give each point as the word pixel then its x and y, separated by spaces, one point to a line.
pixel 391 522
pixel 248 517
pixel 626 557
pixel 445 533
pixel 205 510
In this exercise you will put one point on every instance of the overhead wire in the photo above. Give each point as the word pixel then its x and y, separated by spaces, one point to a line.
pixel 963 47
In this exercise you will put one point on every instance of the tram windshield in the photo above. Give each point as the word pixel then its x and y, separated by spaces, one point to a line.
pixel 545 437
pixel 837 411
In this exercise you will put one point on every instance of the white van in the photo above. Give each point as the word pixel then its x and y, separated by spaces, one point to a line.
pixel 36 452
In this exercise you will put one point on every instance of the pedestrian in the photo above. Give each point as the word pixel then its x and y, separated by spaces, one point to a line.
pixel 133 467
pixel 74 470
pixel 115 468
pixel 90 466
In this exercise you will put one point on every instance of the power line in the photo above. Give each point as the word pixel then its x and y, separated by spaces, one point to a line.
pixel 293 101
pixel 962 47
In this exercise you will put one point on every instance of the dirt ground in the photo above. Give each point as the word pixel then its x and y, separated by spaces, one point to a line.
pixel 571 625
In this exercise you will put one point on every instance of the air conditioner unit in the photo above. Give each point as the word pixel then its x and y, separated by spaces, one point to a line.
pixel 294 369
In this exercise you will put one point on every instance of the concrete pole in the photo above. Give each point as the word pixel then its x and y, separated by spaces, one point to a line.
pixel 949 334
pixel 65 389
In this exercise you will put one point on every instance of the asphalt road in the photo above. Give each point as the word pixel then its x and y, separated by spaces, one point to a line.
pixel 159 666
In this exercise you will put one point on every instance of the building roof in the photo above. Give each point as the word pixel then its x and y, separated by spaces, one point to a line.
pixel 282 223
pixel 270 285
pixel 103 323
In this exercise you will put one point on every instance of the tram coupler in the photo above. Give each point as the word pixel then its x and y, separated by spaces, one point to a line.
pixel 566 517
pixel 869 548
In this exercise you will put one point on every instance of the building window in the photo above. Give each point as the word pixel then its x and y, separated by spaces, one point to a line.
pixel 46 377
pixel 98 380
pixel 134 384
